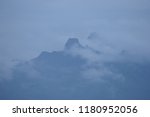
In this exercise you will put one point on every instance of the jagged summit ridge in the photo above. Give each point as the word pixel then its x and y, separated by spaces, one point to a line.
pixel 71 43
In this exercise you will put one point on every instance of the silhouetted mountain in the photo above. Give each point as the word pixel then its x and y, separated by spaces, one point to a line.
pixel 60 75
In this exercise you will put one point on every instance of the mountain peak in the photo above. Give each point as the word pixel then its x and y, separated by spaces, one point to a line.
pixel 72 42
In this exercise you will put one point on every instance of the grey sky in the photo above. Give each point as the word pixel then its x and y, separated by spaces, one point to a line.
pixel 31 26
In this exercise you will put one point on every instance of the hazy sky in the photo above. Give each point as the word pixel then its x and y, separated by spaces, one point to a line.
pixel 108 30
pixel 28 27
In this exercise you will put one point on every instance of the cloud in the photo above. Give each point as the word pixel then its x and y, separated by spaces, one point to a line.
pixel 27 70
pixel 96 50
pixel 27 30
pixel 102 74
pixel 73 74
pixel 121 37
pixel 97 57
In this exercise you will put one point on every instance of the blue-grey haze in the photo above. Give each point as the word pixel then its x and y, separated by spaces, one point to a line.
pixel 109 58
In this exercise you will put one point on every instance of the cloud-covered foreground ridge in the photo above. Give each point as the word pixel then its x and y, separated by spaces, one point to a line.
pixel 79 72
